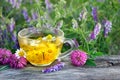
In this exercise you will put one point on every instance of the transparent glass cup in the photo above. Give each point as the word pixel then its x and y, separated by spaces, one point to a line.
pixel 42 46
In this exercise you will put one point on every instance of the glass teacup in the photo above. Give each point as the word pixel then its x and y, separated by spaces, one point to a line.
pixel 42 46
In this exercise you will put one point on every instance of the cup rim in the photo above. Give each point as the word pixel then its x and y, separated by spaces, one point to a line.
pixel 62 33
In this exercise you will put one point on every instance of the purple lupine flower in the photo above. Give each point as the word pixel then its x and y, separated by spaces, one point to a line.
pixel 18 4
pixel 15 40
pixel 96 31
pixel 82 15
pixel 48 5
pixel 14 37
pixel 0 32
pixel 11 1
pixel 15 3
pixel 74 24
pixel 59 24
pixel 16 45
pixel 92 36
pixel 5 56
pixel 25 14
pixel 76 43
pixel 107 27
pixel 34 15
pixel 1 38
pixel 56 67
pixel 5 35
pixel 11 26
pixel 94 14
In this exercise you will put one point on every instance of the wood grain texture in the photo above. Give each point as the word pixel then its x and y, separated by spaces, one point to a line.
pixel 103 71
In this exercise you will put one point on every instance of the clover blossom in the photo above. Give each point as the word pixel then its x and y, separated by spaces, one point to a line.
pixel 5 56
pixel 78 58
pixel 107 27
pixel 96 31
pixel 17 62
pixel 94 14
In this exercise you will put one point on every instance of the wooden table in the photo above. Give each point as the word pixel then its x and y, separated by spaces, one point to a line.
pixel 108 68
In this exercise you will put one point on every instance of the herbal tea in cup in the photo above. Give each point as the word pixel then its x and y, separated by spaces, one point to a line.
pixel 42 46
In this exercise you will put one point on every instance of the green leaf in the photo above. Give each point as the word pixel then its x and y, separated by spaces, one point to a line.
pixel 90 62
pixel 4 67
pixel 93 54
pixel 98 54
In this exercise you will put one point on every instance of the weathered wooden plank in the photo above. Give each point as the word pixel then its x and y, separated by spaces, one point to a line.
pixel 69 72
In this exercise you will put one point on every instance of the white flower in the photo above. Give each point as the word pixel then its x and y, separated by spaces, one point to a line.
pixel 20 53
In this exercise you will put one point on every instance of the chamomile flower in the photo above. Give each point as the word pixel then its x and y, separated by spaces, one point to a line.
pixel 20 53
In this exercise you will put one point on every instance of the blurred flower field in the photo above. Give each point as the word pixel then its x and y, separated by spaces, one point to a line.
pixel 93 24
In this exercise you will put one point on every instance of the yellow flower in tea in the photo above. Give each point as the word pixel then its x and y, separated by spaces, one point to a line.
pixel 44 53
pixel 49 37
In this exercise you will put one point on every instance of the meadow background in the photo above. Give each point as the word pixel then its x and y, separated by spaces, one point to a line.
pixel 74 17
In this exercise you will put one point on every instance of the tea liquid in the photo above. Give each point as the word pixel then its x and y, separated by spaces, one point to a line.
pixel 41 50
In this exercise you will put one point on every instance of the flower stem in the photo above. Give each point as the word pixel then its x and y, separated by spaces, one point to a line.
pixel 4 67
pixel 83 36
